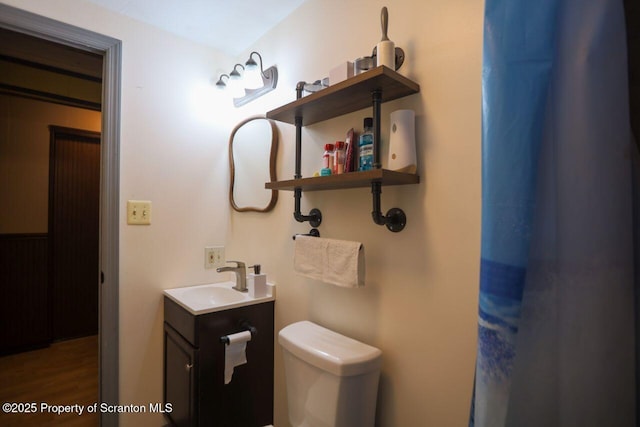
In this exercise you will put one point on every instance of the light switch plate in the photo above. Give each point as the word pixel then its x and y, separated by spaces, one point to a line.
pixel 138 212
pixel 214 257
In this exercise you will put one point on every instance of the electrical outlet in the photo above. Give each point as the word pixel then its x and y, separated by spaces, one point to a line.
pixel 138 212
pixel 214 257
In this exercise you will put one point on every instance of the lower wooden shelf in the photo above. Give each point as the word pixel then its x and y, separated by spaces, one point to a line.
pixel 346 180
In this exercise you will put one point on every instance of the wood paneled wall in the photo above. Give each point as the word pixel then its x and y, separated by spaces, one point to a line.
pixel 74 226
pixel 632 11
pixel 24 306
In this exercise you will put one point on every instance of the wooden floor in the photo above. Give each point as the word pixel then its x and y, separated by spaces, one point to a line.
pixel 66 373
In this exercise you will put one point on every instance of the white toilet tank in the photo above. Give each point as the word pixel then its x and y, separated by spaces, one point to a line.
pixel 332 380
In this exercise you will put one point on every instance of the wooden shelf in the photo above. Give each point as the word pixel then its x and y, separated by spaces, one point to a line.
pixel 346 97
pixel 346 180
pixel 371 88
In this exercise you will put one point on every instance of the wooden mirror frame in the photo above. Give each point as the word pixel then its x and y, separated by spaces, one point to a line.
pixel 272 166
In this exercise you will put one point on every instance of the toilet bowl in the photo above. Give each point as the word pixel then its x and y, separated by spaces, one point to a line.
pixel 331 379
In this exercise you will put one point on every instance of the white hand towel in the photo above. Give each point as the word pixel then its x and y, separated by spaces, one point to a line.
pixel 235 353
pixel 339 262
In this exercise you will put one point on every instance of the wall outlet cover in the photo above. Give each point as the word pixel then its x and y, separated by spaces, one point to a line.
pixel 214 257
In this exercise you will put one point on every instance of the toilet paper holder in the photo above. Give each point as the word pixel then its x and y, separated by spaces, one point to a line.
pixel 246 326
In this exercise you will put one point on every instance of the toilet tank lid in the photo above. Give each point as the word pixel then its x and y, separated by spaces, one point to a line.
pixel 328 350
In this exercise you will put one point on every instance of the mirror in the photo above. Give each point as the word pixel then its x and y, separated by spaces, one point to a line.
pixel 253 147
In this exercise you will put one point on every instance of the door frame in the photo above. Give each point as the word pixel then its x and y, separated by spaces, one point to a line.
pixel 29 23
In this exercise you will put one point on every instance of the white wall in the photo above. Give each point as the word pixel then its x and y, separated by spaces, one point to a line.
pixel 171 154
pixel 420 302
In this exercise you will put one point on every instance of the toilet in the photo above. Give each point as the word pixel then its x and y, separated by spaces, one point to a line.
pixel 332 380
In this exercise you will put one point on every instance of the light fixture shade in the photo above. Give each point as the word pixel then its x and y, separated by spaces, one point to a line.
pixel 251 63
pixel 235 74
pixel 253 73
pixel 220 84
pixel 251 84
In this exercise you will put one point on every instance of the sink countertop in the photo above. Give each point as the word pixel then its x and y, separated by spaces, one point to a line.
pixel 212 297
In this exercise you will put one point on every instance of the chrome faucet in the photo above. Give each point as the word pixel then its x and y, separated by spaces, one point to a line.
pixel 241 275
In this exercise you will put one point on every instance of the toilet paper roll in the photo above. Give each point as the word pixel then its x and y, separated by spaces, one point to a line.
pixel 235 353
pixel 386 54
pixel 402 141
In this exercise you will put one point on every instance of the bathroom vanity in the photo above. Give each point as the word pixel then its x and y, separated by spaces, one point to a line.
pixel 194 357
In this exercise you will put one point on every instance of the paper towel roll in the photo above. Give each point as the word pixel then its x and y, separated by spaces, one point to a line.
pixel 386 54
pixel 235 353
pixel 402 141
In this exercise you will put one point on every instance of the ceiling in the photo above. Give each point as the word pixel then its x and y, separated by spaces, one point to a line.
pixel 229 26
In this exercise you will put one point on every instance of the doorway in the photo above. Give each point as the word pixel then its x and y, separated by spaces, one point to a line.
pixel 28 23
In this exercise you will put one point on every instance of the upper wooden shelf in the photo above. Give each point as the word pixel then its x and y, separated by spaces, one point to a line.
pixel 346 97
pixel 345 180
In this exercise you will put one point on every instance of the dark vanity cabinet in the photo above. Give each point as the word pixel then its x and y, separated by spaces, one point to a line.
pixel 194 359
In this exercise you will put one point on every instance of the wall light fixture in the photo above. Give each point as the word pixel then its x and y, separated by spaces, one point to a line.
pixel 252 83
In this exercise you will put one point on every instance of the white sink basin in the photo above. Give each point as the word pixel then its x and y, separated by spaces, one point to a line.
pixel 202 299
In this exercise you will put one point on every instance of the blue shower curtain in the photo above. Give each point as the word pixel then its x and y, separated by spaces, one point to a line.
pixel 556 305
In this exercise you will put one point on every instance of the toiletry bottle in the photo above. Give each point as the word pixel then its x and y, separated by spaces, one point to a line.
pixel 257 282
pixel 338 166
pixel 327 160
pixel 351 152
pixel 366 146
